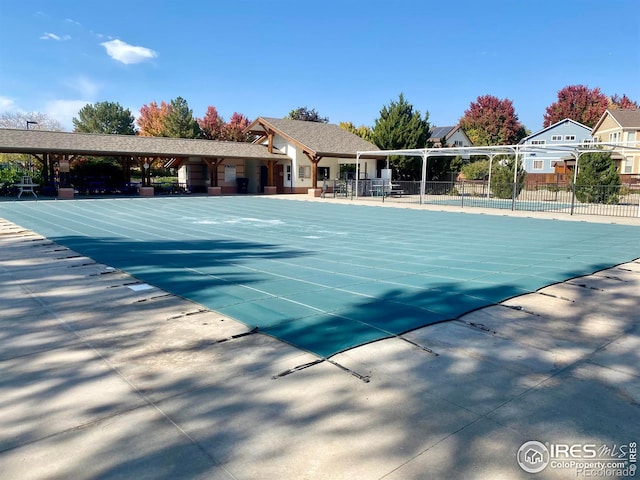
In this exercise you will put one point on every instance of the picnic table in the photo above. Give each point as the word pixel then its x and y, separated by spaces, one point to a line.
pixel 26 186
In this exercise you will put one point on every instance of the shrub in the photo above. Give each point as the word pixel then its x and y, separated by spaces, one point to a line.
pixel 502 178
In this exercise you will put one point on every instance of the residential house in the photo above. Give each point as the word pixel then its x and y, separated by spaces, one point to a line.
pixel 546 165
pixel 622 128
pixel 449 137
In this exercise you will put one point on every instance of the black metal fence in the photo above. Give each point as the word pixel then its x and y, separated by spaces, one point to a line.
pixel 619 201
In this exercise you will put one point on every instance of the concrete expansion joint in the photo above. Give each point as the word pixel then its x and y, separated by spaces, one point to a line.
pixel 232 337
pixel 520 308
pixel 589 287
pixel 155 297
pixel 556 296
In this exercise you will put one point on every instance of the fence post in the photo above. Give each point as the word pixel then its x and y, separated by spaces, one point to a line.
pixel 513 196
pixel 462 195
pixel 573 197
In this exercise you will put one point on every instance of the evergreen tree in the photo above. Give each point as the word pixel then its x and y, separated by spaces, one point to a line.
pixel 502 178
pixel 179 121
pixel 401 127
pixel 598 180
pixel 303 113
pixel 104 117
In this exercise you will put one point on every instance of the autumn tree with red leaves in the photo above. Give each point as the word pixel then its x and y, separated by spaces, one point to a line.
pixel 624 102
pixel 214 127
pixel 579 103
pixel 235 127
pixel 491 121
pixel 151 120
pixel 212 124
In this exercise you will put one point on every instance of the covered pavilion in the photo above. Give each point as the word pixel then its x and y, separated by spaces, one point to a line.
pixel 55 150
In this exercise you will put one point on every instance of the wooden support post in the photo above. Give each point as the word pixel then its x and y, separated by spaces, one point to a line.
pixel 314 159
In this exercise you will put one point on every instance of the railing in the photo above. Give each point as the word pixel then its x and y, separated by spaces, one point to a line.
pixel 620 201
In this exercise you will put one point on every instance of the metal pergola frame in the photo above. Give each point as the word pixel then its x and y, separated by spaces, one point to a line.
pixel 573 149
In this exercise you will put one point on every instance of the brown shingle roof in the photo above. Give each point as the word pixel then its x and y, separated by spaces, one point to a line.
pixel 40 141
pixel 322 139
pixel 627 118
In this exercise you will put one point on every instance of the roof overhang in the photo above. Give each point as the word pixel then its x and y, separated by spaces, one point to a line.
pixel 81 144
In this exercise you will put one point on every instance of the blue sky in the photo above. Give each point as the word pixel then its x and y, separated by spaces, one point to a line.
pixel 347 59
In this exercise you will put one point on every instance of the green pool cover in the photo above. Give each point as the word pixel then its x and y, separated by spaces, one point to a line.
pixel 327 277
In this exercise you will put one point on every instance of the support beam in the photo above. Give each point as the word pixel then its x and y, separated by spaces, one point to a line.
pixel 213 164
pixel 270 134
pixel 314 159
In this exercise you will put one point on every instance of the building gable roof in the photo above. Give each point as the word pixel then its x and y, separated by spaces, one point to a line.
pixel 319 139
pixel 625 117
pixel 551 127
pixel 440 132
pixel 42 141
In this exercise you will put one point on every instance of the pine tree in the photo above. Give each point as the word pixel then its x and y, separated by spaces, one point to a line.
pixel 179 121
pixel 402 127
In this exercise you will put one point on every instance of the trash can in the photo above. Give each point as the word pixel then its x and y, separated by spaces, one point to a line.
pixel 243 184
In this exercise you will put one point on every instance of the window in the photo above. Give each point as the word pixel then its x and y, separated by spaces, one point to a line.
pixel 304 171
pixel 324 172
pixel 538 142
pixel 457 143
pixel 556 138
pixel 570 137
pixel 631 137
pixel 538 164
pixel 613 137
pixel 628 165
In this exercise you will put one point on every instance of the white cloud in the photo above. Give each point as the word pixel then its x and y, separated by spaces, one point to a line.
pixel 50 36
pixel 6 104
pixel 53 36
pixel 65 110
pixel 127 54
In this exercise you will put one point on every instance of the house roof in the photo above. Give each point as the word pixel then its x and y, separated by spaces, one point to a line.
pixel 625 117
pixel 440 132
pixel 42 141
pixel 551 127
pixel 320 139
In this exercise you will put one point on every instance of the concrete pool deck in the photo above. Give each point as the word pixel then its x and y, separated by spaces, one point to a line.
pixel 106 377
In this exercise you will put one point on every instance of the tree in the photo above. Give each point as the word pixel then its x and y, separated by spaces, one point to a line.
pixel 151 120
pixel 234 129
pixel 20 119
pixel 579 103
pixel 303 113
pixel 362 131
pixel 400 127
pixel 623 102
pixel 212 125
pixel 491 121
pixel 179 121
pixel 502 178
pixel 478 170
pixel 598 180
pixel 104 117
